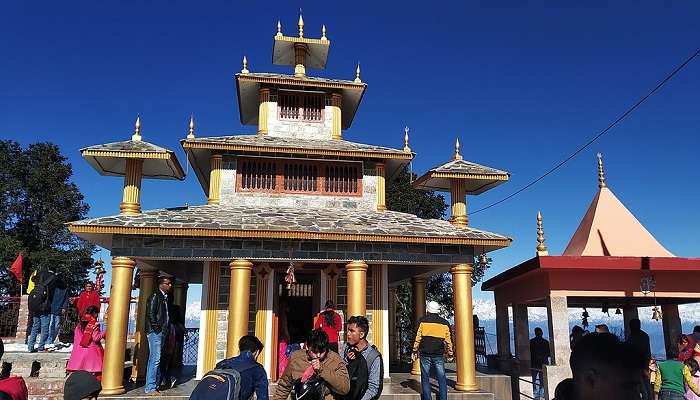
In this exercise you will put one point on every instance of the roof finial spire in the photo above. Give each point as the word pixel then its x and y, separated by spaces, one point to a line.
pixel 136 137
pixel 279 28
pixel 323 32
pixel 245 65
pixel 541 246
pixel 601 172
pixel 406 148
pixel 190 134
pixel 357 74
pixel 457 155
pixel 301 25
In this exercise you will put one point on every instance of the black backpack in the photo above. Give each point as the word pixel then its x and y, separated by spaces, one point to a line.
pixel 358 371
pixel 37 300
pixel 220 384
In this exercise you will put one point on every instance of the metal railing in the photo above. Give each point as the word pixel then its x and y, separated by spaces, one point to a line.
pixel 191 346
pixel 9 315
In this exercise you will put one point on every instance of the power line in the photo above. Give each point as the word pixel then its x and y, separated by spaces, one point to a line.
pixel 596 137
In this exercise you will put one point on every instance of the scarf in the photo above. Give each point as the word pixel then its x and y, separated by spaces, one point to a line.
pixel 89 329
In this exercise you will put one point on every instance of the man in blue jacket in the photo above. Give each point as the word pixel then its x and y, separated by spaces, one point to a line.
pixel 253 375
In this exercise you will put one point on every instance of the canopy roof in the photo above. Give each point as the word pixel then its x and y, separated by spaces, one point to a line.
pixel 287 223
pixel 199 150
pixel 248 85
pixel 110 159
pixel 316 51
pixel 478 178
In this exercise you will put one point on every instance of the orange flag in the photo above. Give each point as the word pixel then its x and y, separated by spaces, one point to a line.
pixel 16 269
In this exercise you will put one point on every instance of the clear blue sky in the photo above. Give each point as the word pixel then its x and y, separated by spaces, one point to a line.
pixel 520 83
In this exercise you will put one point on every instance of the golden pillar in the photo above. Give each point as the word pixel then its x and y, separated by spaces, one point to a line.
pixel 337 121
pixel 262 276
pixel 381 188
pixel 464 327
pixel 119 298
pixel 131 200
pixel 264 94
pixel 393 344
pixel 147 284
pixel 238 299
pixel 300 50
pixel 357 288
pixel 210 315
pixel 418 285
pixel 215 179
pixel 378 288
pixel 458 196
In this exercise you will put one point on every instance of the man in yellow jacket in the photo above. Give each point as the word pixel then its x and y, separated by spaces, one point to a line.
pixel 433 342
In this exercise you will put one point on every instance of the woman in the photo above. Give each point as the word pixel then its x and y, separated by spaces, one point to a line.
pixel 87 354
pixel 331 323
pixel 673 378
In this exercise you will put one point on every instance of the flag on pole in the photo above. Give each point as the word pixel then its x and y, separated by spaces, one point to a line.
pixel 16 269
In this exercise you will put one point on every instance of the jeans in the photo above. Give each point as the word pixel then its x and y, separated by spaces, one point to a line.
pixel 39 322
pixel 54 327
pixel 426 361
pixel 537 384
pixel 153 371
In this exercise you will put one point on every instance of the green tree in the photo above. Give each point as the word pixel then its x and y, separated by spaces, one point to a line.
pixel 37 198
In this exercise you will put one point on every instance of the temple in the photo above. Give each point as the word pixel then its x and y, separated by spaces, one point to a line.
pixel 294 214
pixel 611 262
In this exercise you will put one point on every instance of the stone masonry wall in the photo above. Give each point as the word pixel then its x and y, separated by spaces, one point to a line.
pixel 229 196
pixel 320 130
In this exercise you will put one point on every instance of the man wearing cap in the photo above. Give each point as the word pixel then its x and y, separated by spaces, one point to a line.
pixel 433 342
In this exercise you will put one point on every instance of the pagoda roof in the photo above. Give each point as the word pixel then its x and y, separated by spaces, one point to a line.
pixel 609 229
pixel 110 159
pixel 199 151
pixel 316 51
pixel 249 83
pixel 236 221
pixel 479 178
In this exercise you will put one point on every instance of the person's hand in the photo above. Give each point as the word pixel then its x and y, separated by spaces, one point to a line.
pixel 450 357
pixel 316 364
pixel 414 356
pixel 350 355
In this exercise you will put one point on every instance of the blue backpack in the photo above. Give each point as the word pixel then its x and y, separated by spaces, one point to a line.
pixel 220 384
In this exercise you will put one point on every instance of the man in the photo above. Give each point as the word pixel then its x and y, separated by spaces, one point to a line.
pixel 432 342
pixel 331 323
pixel 539 356
pixel 253 375
pixel 603 367
pixel 638 339
pixel 39 304
pixel 602 328
pixel 157 326
pixel 58 308
pixel 315 360
pixel 88 297
pixel 356 342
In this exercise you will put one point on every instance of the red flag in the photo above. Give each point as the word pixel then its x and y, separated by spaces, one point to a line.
pixel 16 269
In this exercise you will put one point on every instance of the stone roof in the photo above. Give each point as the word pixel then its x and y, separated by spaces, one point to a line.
pixel 292 223
pixel 468 167
pixel 301 80
pixel 128 146
pixel 283 143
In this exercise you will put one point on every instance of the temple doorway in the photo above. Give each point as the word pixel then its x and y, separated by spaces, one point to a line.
pixel 294 311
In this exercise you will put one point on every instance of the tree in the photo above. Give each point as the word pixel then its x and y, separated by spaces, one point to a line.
pixel 37 198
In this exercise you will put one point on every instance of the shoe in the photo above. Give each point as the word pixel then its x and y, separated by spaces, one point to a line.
pixel 173 383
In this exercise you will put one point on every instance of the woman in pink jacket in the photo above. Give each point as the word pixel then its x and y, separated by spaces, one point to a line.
pixel 87 354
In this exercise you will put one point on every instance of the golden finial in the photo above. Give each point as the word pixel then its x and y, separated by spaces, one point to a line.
pixel 541 247
pixel 245 65
pixel 301 25
pixel 457 155
pixel 190 135
pixel 357 74
pixel 601 172
pixel 136 137
pixel 279 29
pixel 323 32
pixel 406 148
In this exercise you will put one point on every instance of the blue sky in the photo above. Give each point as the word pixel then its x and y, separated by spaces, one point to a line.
pixel 521 84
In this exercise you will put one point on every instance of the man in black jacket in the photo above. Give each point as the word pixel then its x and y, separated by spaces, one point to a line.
pixel 157 328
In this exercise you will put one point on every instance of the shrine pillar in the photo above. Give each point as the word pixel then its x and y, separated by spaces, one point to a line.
pixel 239 297
pixel 671 322
pixel 206 351
pixel 628 314
pixel 147 284
pixel 522 336
pixel 357 288
pixel 503 334
pixel 464 328
pixel 418 287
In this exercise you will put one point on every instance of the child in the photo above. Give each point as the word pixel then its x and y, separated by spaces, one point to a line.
pixel 694 368
pixel 87 354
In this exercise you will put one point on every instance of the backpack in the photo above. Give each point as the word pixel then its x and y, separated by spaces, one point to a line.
pixel 220 384
pixel 38 299
pixel 358 371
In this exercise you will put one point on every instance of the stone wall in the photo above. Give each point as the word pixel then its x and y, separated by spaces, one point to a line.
pixel 156 247
pixel 320 130
pixel 229 196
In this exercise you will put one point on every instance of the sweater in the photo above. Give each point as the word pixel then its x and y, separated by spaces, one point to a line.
pixel 333 372
pixel 433 337
pixel 672 375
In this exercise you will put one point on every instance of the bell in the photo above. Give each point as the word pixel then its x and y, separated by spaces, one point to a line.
pixel 483 261
pixel 604 310
pixel 657 314
pixel 617 311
